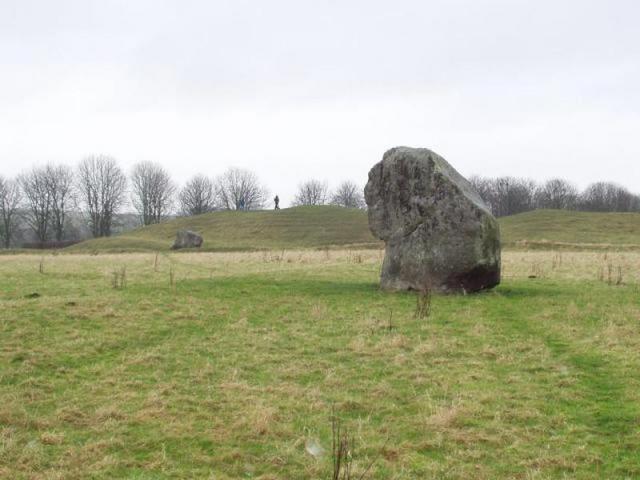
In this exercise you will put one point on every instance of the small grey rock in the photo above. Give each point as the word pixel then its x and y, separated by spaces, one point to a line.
pixel 438 232
pixel 187 239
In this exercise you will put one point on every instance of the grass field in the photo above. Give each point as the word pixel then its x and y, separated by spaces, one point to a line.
pixel 326 226
pixel 229 365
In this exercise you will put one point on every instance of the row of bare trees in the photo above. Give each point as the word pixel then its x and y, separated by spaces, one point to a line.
pixel 315 192
pixel 240 189
pixel 47 193
pixel 44 196
pixel 510 195
pixel 235 189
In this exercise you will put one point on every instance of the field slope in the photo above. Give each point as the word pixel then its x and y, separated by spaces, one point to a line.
pixel 327 226
pixel 549 227
pixel 299 227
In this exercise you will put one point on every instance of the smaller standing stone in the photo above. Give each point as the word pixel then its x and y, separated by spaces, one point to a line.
pixel 187 239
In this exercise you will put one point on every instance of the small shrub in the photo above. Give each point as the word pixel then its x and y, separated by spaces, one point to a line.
pixel 537 271
pixel 607 272
pixel 556 261
pixel 270 257
pixel 423 304
pixel 119 278
pixel 354 257
pixel 343 453
pixel 601 274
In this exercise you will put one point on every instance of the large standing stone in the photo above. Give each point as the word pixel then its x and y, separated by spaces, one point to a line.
pixel 187 239
pixel 439 234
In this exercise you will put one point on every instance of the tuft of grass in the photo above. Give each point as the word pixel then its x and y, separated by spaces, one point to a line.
pixel 343 453
pixel 423 304
pixel 119 278
pixel 172 277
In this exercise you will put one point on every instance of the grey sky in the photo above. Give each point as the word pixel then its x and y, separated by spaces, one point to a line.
pixel 298 88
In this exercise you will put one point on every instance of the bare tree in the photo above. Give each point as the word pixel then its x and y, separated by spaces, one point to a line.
pixel 197 196
pixel 608 197
pixel 61 190
pixel 35 187
pixel 101 185
pixel 311 192
pixel 506 195
pixel 557 194
pixel 10 197
pixel 239 189
pixel 152 192
pixel 514 195
pixel 484 187
pixel 348 195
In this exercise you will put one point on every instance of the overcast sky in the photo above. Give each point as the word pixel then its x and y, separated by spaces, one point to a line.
pixel 297 89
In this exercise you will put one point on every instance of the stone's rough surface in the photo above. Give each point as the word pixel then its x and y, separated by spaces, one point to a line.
pixel 187 239
pixel 439 234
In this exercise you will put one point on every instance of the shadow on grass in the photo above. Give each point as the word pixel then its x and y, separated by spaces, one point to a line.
pixel 316 286
pixel 534 288
pixel 298 286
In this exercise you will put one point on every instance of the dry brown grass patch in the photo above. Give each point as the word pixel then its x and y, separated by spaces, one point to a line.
pixel 108 412
pixel 444 417
pixel 72 415
pixel 52 438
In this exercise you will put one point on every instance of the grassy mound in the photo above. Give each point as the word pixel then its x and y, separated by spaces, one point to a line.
pixel 326 226
pixel 300 227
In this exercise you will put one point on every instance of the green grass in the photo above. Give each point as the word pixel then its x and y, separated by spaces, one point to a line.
pixel 319 227
pixel 227 373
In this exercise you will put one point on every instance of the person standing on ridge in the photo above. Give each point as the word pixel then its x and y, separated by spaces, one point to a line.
pixel 276 200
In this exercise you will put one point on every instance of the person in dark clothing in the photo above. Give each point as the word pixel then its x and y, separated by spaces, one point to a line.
pixel 276 200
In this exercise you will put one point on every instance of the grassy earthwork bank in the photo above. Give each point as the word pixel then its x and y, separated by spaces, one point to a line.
pixel 300 227
pixel 335 227
pixel 229 365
